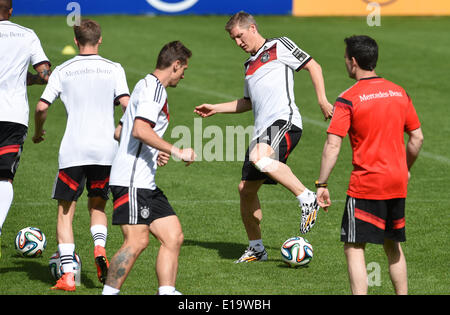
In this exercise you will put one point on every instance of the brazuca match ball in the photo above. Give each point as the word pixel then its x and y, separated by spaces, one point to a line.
pixel 30 242
pixel 54 265
pixel 296 252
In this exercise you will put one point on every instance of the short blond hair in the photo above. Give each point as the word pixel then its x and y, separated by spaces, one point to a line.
pixel 242 19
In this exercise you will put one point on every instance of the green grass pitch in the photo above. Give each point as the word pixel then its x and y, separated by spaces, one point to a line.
pixel 413 53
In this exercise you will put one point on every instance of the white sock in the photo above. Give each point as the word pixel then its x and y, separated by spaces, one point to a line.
pixel 107 290
pixel 99 233
pixel 66 252
pixel 257 244
pixel 6 198
pixel 307 196
pixel 166 290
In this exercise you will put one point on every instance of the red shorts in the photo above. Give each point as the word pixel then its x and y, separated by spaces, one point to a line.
pixel 373 221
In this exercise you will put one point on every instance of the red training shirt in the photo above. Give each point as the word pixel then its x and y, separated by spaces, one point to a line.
pixel 375 113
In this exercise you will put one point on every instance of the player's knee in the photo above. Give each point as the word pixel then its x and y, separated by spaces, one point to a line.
pixel 264 164
pixel 242 188
pixel 140 245
pixel 180 239
pixel 246 189
pixel 136 244
pixel 173 240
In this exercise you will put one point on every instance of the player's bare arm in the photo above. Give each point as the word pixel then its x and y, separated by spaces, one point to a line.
pixel 123 101
pixel 237 106
pixel 43 74
pixel 118 132
pixel 40 115
pixel 329 157
pixel 413 146
pixel 145 133
pixel 315 72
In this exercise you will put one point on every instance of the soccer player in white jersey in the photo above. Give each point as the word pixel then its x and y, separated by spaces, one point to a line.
pixel 19 46
pixel 269 92
pixel 89 86
pixel 140 207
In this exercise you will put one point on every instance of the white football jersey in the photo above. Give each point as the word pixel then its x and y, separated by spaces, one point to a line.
pixel 269 83
pixel 19 46
pixel 88 85
pixel 135 163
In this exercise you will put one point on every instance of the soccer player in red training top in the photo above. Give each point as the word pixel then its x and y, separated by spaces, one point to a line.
pixel 19 46
pixel 269 93
pixel 375 113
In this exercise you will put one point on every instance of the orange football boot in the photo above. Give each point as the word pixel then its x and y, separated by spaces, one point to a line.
pixel 101 262
pixel 66 282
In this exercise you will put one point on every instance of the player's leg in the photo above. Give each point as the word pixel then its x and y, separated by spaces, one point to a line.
pixel 394 235
pixel 97 185
pixel 99 233
pixel 6 198
pixel 66 244
pixel 264 158
pixel 136 238
pixel 397 266
pixel 12 137
pixel 251 215
pixel 250 207
pixel 68 187
pixel 356 266
pixel 168 231
pixel 99 221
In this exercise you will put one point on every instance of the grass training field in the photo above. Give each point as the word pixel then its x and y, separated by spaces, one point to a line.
pixel 413 53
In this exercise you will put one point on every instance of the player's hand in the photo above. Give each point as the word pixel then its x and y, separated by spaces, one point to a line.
pixel 327 110
pixel 187 155
pixel 323 198
pixel 205 110
pixel 39 137
pixel 162 159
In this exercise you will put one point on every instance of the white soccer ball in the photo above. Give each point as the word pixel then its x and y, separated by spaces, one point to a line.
pixel 296 251
pixel 54 265
pixel 30 242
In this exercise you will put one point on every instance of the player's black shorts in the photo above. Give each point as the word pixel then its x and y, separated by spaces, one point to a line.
pixel 282 136
pixel 373 221
pixel 70 182
pixel 12 137
pixel 139 205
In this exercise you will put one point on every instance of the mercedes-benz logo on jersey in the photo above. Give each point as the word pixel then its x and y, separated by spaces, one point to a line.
pixel 380 2
pixel 265 57
pixel 145 212
pixel 172 7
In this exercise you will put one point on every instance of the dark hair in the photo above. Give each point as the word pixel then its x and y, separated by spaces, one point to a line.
pixel 5 6
pixel 88 32
pixel 364 49
pixel 171 52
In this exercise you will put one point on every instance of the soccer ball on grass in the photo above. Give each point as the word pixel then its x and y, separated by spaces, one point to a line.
pixel 54 265
pixel 30 242
pixel 296 252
